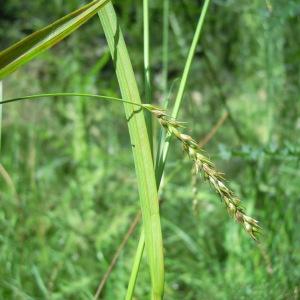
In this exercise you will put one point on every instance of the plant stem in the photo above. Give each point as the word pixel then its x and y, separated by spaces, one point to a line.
pixel 141 149
pixel 179 97
pixel 136 266
pixel 117 254
pixel 1 97
pixel 46 95
pixel 223 98
pixel 147 74
pixel 165 56
pixel 162 160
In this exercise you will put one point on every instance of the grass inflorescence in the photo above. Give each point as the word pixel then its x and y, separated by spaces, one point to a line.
pixel 203 164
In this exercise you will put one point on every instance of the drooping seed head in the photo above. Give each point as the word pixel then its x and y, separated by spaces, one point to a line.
pixel 185 137
pixel 239 216
pixel 231 209
pixel 209 172
pixel 158 113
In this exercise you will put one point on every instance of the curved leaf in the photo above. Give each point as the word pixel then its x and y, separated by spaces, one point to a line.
pixel 26 49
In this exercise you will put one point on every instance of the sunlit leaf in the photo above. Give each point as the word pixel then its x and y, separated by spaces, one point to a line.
pixel 25 50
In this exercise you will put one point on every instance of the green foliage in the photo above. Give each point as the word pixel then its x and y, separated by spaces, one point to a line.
pixel 68 189
pixel 141 149
pixel 23 51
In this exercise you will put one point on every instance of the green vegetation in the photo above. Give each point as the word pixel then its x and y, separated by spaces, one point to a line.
pixel 75 172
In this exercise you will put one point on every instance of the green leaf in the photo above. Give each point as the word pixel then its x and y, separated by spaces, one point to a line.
pixel 1 97
pixel 25 50
pixel 140 148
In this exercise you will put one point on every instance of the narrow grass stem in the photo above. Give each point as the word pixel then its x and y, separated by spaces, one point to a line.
pixel 189 60
pixel 136 266
pixel 141 149
pixel 147 74
pixel 165 54
pixel 182 85
pixel 164 147
pixel 1 97
pixel 47 95
pixel 117 254
pixel 165 61
pixel 223 98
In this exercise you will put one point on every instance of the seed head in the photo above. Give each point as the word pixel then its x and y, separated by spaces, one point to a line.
pixel 209 172
pixel 185 137
pixel 158 113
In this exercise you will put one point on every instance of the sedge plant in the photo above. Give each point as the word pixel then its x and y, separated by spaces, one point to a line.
pixel 148 173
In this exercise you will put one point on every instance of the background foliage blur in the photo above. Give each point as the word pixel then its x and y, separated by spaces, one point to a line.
pixel 70 193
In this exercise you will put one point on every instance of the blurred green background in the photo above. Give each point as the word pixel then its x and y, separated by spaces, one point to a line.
pixel 68 187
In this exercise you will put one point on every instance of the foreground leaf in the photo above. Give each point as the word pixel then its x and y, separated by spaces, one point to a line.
pixel 141 149
pixel 25 50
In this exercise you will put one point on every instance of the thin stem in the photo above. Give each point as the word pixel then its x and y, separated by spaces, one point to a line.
pixel 213 130
pixel 165 56
pixel 102 97
pixel 141 149
pixel 179 97
pixel 189 60
pixel 117 253
pixel 148 92
pixel 146 50
pixel 1 97
pixel 212 72
pixel 165 61
pixel 223 97
pixel 136 266
pixel 161 162
pixel 139 253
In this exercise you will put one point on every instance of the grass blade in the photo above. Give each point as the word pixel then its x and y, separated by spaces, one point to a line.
pixel 38 96
pixel 165 67
pixel 147 74
pixel 136 266
pixel 165 56
pixel 1 97
pixel 180 93
pixel 25 50
pixel 165 147
pixel 141 149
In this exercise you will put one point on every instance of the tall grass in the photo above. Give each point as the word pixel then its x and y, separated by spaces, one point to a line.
pixel 15 56
pixel 140 148
pixel 218 252
pixel 163 146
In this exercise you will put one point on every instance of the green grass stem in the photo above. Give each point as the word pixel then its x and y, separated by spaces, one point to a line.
pixel 1 97
pixel 147 71
pixel 182 85
pixel 136 266
pixel 141 149
pixel 161 162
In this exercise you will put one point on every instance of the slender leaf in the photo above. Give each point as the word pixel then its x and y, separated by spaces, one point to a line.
pixel 160 163
pixel 147 74
pixel 25 50
pixel 163 157
pixel 1 97
pixel 39 96
pixel 140 148
pixel 135 267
